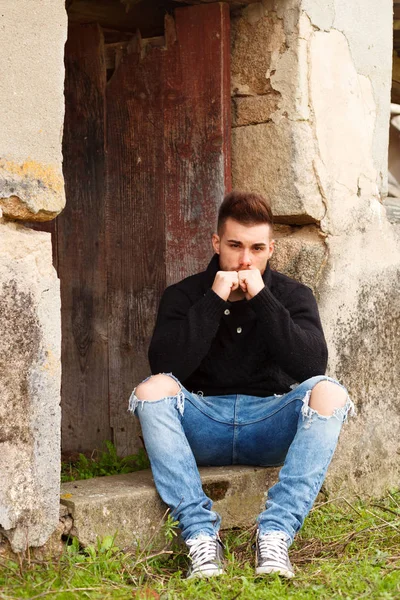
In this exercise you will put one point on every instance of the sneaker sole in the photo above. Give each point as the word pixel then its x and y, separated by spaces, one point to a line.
pixel 272 570
pixel 206 573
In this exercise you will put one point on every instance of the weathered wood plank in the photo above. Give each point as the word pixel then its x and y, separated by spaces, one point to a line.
pixel 168 166
pixel 197 134
pixel 81 248
pixel 135 227
pixel 115 50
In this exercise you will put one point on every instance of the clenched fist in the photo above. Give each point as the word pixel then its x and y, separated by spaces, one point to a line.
pixel 225 283
pixel 250 282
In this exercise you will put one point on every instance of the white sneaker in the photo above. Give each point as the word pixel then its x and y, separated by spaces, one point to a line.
pixel 207 556
pixel 272 554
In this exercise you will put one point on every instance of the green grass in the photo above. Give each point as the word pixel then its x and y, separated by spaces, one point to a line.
pixel 345 551
pixel 103 462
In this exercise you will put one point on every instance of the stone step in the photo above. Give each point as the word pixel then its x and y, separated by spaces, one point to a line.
pixel 129 507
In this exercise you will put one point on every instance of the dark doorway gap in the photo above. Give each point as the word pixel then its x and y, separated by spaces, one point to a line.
pixel 119 17
pixel 120 22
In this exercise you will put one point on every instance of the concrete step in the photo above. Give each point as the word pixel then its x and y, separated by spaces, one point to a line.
pixel 129 507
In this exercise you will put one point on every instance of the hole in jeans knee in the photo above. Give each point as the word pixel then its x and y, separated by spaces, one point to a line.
pixel 156 388
pixel 340 410
pixel 327 397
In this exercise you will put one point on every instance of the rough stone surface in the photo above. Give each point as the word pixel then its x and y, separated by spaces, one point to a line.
pixel 250 110
pixel 31 191
pixel 32 108
pixel 265 160
pixel 129 505
pixel 30 374
pixel 258 38
pixel 301 253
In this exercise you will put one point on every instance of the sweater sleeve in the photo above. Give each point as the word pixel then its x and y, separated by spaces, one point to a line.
pixel 184 331
pixel 293 333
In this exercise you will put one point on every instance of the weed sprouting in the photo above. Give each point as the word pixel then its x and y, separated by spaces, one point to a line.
pixel 170 528
pixel 103 462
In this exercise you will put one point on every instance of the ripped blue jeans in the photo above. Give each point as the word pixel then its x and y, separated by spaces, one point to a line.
pixel 188 430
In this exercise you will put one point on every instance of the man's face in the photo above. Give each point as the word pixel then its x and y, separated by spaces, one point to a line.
pixel 241 247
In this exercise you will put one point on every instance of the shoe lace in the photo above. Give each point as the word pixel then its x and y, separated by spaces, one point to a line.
pixel 273 546
pixel 202 550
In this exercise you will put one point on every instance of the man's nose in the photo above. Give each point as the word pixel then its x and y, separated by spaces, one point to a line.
pixel 245 258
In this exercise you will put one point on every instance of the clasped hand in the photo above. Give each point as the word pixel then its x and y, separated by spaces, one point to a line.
pixel 250 282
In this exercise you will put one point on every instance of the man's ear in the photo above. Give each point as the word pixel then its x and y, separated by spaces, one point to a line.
pixel 216 242
pixel 271 248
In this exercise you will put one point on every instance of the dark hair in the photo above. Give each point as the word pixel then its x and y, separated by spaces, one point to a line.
pixel 246 208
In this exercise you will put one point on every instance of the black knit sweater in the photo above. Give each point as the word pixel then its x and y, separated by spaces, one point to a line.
pixel 258 347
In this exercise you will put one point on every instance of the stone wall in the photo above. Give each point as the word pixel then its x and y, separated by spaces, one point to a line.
pixel 31 188
pixel 311 91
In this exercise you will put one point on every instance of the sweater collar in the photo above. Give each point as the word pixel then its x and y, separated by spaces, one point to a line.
pixel 213 268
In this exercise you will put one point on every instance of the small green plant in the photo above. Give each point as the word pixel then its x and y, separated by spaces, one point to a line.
pixel 170 528
pixel 103 462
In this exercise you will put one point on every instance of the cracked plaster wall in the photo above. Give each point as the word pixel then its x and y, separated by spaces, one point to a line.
pixel 32 37
pixel 367 27
pixel 310 118
pixel 271 112
pixel 281 52
pixel 349 83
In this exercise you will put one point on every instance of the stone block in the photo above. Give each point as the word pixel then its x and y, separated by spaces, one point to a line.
pixel 31 191
pixel 30 373
pixel 251 110
pixel 300 253
pixel 129 506
pixel 276 159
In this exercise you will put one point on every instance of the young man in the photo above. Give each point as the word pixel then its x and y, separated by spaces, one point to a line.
pixel 239 358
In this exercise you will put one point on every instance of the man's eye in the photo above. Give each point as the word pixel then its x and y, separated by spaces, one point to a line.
pixel 234 245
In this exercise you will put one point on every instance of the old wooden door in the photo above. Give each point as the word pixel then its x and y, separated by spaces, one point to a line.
pixel 146 164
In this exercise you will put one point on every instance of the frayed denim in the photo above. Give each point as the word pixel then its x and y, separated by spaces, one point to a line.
pixel 188 430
